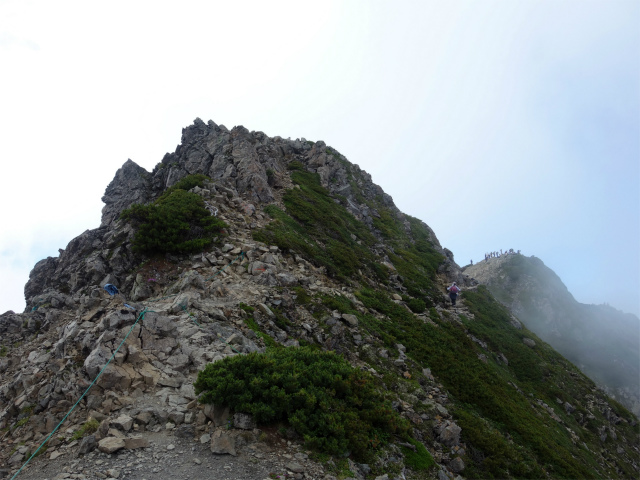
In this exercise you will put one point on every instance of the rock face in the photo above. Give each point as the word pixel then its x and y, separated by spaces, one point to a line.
pixel 177 313
pixel 602 341
pixel 246 166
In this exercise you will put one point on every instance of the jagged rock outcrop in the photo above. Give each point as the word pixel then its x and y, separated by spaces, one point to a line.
pixel 246 166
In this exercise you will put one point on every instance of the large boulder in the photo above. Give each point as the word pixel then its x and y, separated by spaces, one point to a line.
pixel 129 186
pixel 10 322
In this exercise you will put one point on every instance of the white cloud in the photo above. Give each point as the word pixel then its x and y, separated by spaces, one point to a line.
pixel 479 104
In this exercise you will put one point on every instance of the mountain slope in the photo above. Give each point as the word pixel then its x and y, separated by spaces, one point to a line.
pixel 310 254
pixel 602 341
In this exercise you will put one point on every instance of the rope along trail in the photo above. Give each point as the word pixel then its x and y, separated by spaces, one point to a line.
pixel 140 317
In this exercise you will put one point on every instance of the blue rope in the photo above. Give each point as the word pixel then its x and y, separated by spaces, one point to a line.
pixel 85 392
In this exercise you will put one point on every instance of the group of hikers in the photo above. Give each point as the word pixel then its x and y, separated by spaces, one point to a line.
pixel 454 289
pixel 511 251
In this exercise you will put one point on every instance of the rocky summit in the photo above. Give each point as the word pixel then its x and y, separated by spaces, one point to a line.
pixel 258 308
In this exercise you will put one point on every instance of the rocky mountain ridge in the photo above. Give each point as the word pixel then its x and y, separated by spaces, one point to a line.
pixel 602 341
pixel 314 254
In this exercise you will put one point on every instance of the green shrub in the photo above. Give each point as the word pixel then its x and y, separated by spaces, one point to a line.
pixel 295 165
pixel 419 460
pixel 302 297
pixel 246 308
pixel 335 407
pixel 177 222
pixel 416 305
pixel 186 184
pixel 21 422
pixel 318 227
pixel 89 426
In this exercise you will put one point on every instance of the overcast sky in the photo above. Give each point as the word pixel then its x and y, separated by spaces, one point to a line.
pixel 501 124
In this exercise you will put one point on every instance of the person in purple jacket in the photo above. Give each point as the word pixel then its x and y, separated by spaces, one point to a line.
pixel 453 293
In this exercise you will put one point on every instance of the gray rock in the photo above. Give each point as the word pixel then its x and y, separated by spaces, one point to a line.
pixel 244 421
pixel 350 319
pixel 123 422
pixel 266 310
pixel 294 467
pixel 110 444
pixel 219 415
pixel 87 444
pixel 286 279
pixel 176 417
pixel 442 475
pixel 223 444
pixel 457 465
pixel 449 433
pixel 234 339
pixel 529 342
pixel 132 443
pixel 96 360
pixel 129 186
pixel 10 322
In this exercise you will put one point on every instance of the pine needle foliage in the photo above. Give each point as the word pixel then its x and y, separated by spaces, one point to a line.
pixel 315 225
pixel 177 222
pixel 333 406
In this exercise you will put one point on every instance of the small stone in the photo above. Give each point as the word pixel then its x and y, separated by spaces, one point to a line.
pixel 113 473
pixel 457 465
pixel 55 455
pixel 197 461
pixel 244 421
pixel 123 422
pixel 87 445
pixel 110 444
pixel 350 319
pixel 223 444
pixel 205 438
pixel 133 443
pixel 295 467
pixel 171 447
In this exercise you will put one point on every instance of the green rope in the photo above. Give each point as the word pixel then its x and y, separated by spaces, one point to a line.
pixel 141 316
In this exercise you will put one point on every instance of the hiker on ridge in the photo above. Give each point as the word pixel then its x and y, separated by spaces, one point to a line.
pixel 453 293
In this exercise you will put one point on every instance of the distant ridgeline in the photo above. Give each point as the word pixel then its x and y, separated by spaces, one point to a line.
pixel 602 341
pixel 321 310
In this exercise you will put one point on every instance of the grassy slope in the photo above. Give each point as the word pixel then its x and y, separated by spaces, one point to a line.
pixel 508 433
pixel 603 340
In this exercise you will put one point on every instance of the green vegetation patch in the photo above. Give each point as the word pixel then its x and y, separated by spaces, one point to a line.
pixel 178 222
pixel 89 426
pixel 419 460
pixel 253 325
pixel 510 439
pixel 315 225
pixel 335 407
